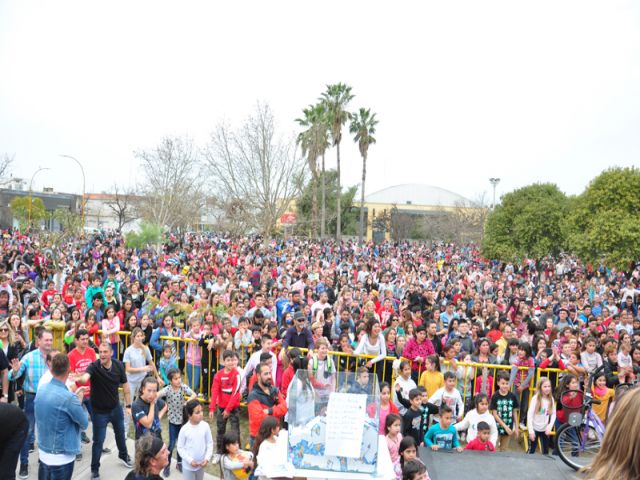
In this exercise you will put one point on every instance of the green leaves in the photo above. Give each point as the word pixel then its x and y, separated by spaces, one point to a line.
pixel 149 234
pixel 27 210
pixel 604 223
pixel 527 224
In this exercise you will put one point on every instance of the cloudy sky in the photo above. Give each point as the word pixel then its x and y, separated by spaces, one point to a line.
pixel 466 90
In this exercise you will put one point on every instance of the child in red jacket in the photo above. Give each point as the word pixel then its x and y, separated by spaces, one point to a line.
pixel 225 397
pixel 482 442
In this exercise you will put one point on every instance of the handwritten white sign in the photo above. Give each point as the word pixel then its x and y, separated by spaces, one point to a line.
pixel 345 424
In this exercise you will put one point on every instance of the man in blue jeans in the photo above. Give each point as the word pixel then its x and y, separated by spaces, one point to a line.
pixel 107 375
pixel 59 420
pixel 33 366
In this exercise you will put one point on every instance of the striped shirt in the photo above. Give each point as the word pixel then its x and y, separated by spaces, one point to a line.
pixel 35 365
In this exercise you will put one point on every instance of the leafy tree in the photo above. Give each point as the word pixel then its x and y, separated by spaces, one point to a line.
pixel 149 234
pixel 529 223
pixel 70 222
pixel 28 210
pixel 363 128
pixel 348 214
pixel 603 224
pixel 335 100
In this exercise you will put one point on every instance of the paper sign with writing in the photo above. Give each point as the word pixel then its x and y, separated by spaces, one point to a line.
pixel 345 424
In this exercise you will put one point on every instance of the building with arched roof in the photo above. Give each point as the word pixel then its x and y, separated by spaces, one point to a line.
pixel 408 201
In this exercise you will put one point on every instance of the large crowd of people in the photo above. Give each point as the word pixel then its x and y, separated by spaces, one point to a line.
pixel 470 353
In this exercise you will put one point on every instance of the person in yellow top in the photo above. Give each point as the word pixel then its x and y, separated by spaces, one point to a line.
pixel 602 393
pixel 432 378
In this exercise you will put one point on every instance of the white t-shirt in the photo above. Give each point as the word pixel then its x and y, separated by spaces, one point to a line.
pixel 195 443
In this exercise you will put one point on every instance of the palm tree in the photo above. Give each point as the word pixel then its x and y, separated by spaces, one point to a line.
pixel 313 142
pixel 363 128
pixel 335 100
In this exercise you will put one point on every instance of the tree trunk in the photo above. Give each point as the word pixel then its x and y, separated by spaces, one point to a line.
pixel 339 194
pixel 314 205
pixel 364 176
pixel 323 214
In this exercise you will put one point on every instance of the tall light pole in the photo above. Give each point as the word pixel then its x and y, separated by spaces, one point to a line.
pixel 494 183
pixel 83 190
pixel 30 190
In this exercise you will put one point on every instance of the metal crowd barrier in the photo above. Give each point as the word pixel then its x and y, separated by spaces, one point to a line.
pixel 468 373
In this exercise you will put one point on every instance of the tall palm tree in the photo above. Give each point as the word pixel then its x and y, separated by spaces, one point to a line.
pixel 313 142
pixel 335 100
pixel 363 128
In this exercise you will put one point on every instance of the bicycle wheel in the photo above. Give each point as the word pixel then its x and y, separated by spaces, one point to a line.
pixel 577 446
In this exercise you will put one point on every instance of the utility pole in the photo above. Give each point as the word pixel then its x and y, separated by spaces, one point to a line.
pixel 494 183
pixel 83 190
pixel 40 169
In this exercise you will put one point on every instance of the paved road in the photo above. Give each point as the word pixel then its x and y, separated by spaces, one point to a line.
pixel 111 468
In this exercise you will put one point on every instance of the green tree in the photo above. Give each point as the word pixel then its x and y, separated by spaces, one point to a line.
pixel 603 225
pixel 70 222
pixel 149 234
pixel 27 210
pixel 348 214
pixel 529 223
pixel 314 141
pixel 363 129
pixel 335 100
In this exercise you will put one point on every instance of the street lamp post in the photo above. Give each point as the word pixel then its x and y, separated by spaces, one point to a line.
pixel 494 183
pixel 40 169
pixel 83 189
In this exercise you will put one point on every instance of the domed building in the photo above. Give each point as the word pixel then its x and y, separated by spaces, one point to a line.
pixel 404 207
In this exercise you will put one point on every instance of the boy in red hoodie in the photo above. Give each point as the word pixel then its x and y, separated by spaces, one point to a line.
pixel 225 396
pixel 482 442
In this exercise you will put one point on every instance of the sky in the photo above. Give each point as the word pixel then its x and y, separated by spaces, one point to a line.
pixel 545 91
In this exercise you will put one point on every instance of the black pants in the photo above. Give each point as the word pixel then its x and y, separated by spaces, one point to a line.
pixel 221 425
pixel 544 441
pixel 10 450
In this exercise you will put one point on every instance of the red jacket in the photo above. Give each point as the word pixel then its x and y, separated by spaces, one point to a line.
pixel 287 376
pixel 258 401
pixel 476 444
pixel 225 390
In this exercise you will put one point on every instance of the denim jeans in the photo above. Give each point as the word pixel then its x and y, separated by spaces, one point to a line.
pixel 86 403
pixel 193 377
pixel 29 411
pixel 57 472
pixel 100 422
pixel 174 431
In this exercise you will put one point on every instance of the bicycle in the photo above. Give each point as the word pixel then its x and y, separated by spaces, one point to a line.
pixel 580 439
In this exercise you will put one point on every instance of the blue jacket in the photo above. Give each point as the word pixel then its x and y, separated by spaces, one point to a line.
pixel 157 343
pixel 59 419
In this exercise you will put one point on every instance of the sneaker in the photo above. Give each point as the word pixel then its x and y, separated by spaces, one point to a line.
pixel 32 448
pixel 179 467
pixel 523 427
pixel 84 438
pixel 24 471
pixel 167 470
pixel 216 459
pixel 95 475
pixel 126 461
pixel 106 450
